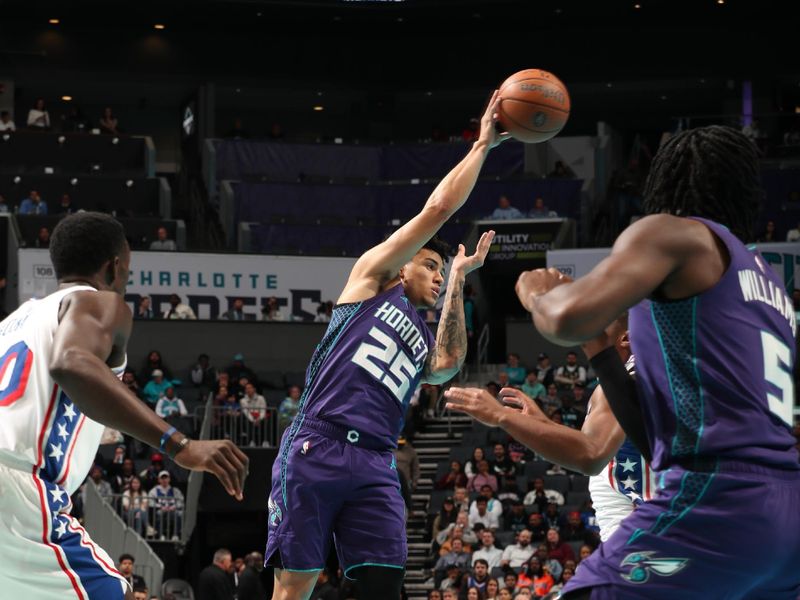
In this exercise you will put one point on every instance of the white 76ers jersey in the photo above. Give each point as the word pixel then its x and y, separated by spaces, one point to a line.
pixel 41 430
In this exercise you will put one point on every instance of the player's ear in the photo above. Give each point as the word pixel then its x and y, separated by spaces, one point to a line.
pixel 402 273
pixel 624 341
pixel 112 266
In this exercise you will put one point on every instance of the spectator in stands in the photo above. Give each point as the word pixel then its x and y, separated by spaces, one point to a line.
pixel 156 388
pixel 455 477
pixel 551 401
pixel 168 503
pixel 551 516
pixel 237 369
pixel 471 466
pixel 571 416
pixel 516 519
pixel 121 480
pixel 488 551
pixel 38 117
pixel 504 210
pixel 515 371
pixel 568 374
pixel 516 555
pixel 4 208
pixel 250 586
pixel 238 132
pixel 43 238
pixel 560 171
pixel 492 589
pixel 509 491
pixel 145 309
pixel 324 312
pixel 456 556
pixel 178 310
pixel 169 405
pixel 125 564
pixel 203 373
pixel 6 124
pixel 215 581
pixel 74 120
pixel 502 380
pixel 324 588
pixel 108 122
pixel 129 379
pixel 134 507
pixel 768 235
pixel 483 477
pixel 566 575
pixel 154 362
pixel 793 235
pixel 559 550
pixel 541 497
pixel 537 527
pixel 141 593
pixel 584 552
pixel 465 532
pixel 103 486
pixel 572 528
pixel 449 585
pixel 532 387
pixel 551 564
pixel 289 407
pixel 163 241
pixel 149 476
pixel 271 311
pixel 66 207
pixel 235 312
pixel 505 593
pixel 229 414
pixel 407 462
pixel 540 210
pixel 472 131
pixel 33 205
pixel 432 595
pixel 254 407
pixel 477 579
pixel 544 370
pixel 447 515
pixel 502 465
pixel 461 498
pixel 482 517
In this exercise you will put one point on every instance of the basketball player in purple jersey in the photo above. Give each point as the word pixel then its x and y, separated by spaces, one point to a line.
pixel 335 473
pixel 713 331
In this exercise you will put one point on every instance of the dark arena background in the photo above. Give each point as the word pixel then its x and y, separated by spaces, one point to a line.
pixel 254 149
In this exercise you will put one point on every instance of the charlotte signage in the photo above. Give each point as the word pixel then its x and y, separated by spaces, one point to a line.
pixel 783 257
pixel 210 282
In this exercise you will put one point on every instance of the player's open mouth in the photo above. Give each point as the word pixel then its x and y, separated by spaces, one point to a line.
pixel 435 291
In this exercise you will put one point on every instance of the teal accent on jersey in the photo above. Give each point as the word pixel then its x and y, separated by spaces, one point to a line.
pixel 339 319
pixel 693 488
pixel 371 564
pixel 675 324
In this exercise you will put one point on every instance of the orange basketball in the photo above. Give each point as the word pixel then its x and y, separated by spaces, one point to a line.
pixel 534 105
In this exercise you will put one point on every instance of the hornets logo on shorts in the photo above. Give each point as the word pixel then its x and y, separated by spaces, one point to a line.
pixel 643 565
pixel 275 514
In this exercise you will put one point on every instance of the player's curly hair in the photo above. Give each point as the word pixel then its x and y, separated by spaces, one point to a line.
pixel 709 172
pixel 83 241
pixel 442 248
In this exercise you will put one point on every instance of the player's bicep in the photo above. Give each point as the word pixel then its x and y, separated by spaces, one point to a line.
pixel 602 429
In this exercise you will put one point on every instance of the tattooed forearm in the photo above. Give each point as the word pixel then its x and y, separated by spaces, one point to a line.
pixel 451 337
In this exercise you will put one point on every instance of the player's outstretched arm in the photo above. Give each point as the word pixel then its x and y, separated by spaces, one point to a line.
pixel 661 253
pixel 94 326
pixel 586 451
pixel 382 263
pixel 448 355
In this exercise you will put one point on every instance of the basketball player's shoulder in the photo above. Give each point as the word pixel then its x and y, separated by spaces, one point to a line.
pixel 666 232
pixel 104 305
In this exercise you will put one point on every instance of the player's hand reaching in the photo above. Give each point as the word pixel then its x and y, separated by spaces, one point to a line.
pixel 537 282
pixel 464 264
pixel 477 403
pixel 220 458
pixel 489 134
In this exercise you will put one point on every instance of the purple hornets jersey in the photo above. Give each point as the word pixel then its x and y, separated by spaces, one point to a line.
pixel 715 371
pixel 366 368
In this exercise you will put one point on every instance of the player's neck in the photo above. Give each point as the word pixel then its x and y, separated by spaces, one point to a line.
pixel 73 281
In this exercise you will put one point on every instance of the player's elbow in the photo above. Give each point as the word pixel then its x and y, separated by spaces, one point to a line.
pixel 66 364
pixel 592 465
pixel 558 322
pixel 440 206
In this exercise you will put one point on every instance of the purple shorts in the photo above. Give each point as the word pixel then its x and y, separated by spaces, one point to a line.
pixel 731 532
pixel 324 482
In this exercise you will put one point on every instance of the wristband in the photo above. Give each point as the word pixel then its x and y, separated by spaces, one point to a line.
pixel 165 438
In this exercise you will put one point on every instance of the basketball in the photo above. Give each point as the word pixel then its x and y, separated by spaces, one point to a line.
pixel 534 105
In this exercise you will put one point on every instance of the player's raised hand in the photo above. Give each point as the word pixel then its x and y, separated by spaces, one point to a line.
pixel 489 133
pixel 477 403
pixel 220 458
pixel 537 282
pixel 466 264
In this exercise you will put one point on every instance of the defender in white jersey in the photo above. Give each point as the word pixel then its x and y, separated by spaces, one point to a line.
pixel 621 477
pixel 61 358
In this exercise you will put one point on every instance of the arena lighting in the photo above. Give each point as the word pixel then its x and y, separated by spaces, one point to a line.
pixel 66 98
pixel 159 26
pixel 54 21
pixel 637 6
pixel 319 108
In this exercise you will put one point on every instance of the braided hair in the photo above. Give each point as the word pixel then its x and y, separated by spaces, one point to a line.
pixel 709 172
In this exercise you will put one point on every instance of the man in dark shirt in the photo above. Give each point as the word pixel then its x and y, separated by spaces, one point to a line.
pixel 126 569
pixel 250 586
pixel 215 581
pixel 324 589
